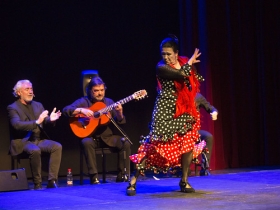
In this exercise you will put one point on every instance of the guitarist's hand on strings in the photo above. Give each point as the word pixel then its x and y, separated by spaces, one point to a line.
pixel 119 111
pixel 86 112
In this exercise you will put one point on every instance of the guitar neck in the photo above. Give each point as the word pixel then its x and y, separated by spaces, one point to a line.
pixel 110 107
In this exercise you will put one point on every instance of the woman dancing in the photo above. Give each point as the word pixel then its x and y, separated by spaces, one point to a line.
pixel 175 120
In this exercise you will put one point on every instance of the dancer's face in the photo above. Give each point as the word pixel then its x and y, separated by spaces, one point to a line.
pixel 169 56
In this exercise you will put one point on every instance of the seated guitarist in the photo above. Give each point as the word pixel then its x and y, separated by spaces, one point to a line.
pixel 102 135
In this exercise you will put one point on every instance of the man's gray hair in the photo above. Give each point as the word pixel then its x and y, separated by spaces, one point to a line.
pixel 19 85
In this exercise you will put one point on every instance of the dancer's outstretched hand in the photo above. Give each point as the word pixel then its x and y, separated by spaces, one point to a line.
pixel 194 57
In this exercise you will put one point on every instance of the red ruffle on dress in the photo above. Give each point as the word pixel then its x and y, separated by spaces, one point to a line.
pixel 166 155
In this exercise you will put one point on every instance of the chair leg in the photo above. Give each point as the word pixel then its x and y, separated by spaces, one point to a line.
pixel 103 167
pixel 81 166
pixel 12 163
pixel 196 165
pixel 18 163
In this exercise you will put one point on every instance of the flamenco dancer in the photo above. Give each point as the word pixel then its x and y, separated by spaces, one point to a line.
pixel 175 121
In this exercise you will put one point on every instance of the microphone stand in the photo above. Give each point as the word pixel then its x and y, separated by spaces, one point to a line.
pixel 126 176
pixel 118 127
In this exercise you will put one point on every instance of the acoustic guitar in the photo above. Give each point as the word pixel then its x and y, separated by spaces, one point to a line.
pixel 83 126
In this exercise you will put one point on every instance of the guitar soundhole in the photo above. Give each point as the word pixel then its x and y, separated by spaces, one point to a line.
pixel 96 114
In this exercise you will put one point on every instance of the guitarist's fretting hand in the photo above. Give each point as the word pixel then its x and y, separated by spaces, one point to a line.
pixel 119 111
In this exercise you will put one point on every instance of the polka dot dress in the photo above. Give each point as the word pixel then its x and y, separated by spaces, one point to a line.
pixel 169 137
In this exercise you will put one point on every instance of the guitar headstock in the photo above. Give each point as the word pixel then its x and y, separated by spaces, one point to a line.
pixel 140 94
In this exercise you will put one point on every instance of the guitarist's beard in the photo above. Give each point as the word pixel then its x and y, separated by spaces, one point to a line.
pixel 93 100
pixel 96 98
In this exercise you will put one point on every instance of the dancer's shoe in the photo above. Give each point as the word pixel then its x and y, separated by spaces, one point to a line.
pixel 131 189
pixel 186 187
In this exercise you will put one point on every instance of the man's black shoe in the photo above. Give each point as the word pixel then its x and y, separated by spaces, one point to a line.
pixel 38 186
pixel 52 184
pixel 94 181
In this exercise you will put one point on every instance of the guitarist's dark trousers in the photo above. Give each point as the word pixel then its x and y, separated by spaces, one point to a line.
pixel 123 147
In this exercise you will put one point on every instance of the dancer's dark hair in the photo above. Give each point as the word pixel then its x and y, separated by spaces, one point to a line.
pixel 171 41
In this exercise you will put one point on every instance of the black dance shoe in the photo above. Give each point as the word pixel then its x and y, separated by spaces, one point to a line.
pixel 94 181
pixel 122 178
pixel 38 186
pixel 52 184
pixel 131 189
pixel 186 187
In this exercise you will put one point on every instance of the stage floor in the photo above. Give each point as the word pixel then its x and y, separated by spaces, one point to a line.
pixel 252 188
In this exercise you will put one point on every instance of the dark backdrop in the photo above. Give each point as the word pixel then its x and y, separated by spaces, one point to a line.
pixel 50 43
pixel 240 44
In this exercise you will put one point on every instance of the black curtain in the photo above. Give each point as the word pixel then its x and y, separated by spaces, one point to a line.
pixel 240 44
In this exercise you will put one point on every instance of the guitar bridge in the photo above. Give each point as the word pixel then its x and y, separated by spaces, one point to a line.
pixel 82 121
